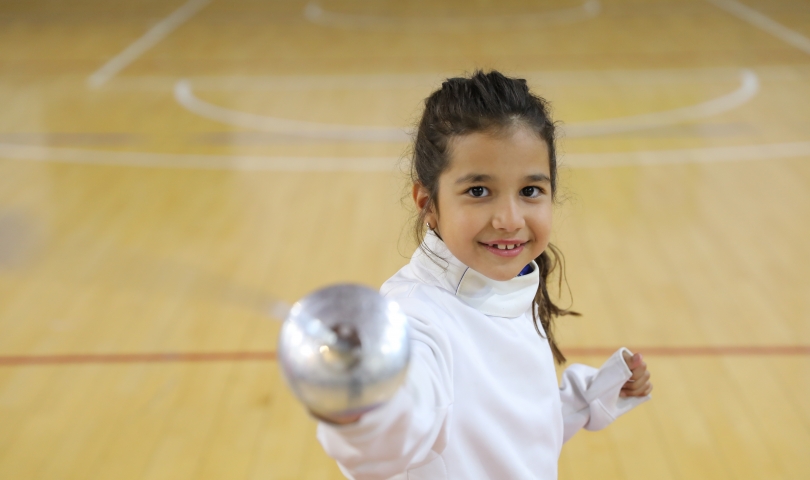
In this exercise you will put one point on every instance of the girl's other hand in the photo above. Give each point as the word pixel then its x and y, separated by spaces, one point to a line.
pixel 639 384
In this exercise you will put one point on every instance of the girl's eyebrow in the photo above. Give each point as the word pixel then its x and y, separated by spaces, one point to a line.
pixel 473 178
pixel 480 177
pixel 538 177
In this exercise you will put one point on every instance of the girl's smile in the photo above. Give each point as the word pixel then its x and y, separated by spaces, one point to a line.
pixel 505 248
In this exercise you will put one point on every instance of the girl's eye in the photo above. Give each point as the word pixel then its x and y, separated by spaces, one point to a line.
pixel 531 192
pixel 478 191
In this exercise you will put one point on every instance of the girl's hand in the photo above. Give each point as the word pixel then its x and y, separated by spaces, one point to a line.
pixel 337 420
pixel 639 384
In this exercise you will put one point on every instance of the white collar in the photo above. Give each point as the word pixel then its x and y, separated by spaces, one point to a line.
pixel 508 299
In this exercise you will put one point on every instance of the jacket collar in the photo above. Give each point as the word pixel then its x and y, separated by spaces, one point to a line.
pixel 508 299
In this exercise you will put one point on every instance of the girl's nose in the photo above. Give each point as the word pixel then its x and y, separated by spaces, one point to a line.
pixel 508 217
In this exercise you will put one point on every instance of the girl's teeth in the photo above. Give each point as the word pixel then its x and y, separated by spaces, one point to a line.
pixel 505 247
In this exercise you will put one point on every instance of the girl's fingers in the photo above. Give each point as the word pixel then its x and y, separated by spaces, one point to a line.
pixel 337 420
pixel 633 361
pixel 639 383
pixel 637 393
pixel 639 372
pixel 636 387
pixel 631 392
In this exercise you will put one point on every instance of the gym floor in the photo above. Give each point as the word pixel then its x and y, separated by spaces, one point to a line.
pixel 172 174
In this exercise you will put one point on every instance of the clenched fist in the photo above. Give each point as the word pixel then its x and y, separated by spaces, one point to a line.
pixel 639 384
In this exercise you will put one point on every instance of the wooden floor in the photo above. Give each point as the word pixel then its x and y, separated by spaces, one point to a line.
pixel 169 171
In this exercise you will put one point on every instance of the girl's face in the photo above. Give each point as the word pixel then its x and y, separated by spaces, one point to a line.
pixel 494 201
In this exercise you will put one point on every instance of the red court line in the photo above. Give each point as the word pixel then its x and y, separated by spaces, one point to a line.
pixel 745 350
pixel 106 358
pixel 169 357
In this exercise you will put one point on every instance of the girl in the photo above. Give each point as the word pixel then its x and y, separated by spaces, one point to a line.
pixel 481 399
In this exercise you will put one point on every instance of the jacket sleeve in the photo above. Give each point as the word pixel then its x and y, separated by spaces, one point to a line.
pixel 590 397
pixel 410 430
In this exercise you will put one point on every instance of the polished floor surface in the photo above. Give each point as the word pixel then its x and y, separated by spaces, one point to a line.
pixel 171 173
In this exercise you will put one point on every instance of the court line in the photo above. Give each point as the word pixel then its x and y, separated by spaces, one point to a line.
pixel 685 351
pixel 108 358
pixel 241 356
pixel 739 153
pixel 765 23
pixel 317 15
pixel 151 38
pixel 184 95
pixel 539 78
pixel 749 86
pixel 192 161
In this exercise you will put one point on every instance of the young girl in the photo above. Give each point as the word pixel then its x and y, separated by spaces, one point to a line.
pixel 481 399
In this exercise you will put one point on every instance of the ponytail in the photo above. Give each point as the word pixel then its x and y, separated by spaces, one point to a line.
pixel 543 309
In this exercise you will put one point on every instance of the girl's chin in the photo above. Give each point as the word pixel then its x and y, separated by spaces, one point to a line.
pixel 500 273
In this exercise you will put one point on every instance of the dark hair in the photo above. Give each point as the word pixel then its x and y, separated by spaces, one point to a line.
pixel 487 102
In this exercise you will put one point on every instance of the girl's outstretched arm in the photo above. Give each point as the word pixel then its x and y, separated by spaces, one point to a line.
pixel 591 397
pixel 411 429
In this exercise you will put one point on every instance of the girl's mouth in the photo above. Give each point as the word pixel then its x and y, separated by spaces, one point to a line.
pixel 505 249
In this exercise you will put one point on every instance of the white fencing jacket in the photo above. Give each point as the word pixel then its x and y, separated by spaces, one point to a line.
pixel 481 399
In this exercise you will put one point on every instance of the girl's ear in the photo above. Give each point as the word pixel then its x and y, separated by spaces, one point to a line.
pixel 421 197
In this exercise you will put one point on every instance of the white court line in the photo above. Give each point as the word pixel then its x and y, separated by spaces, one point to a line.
pixel 151 38
pixel 315 14
pixel 749 86
pixel 193 161
pixel 185 97
pixel 773 151
pixel 183 93
pixel 741 153
pixel 536 79
pixel 765 23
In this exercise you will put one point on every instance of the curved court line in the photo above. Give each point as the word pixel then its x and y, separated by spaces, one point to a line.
pixel 148 40
pixel 316 14
pixel 185 97
pixel 423 81
pixel 749 86
pixel 765 23
pixel 773 151
pixel 183 93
